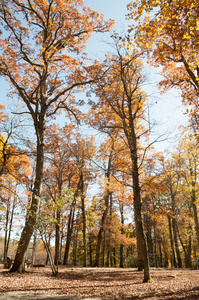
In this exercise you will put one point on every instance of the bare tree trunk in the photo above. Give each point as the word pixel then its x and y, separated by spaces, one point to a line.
pixel 166 259
pixel 122 232
pixel 6 232
pixel 57 237
pixel 193 174
pixel 54 268
pixel 160 252
pixel 70 226
pixel 61 243
pixel 69 234
pixel 155 245
pixel 90 250
pixel 150 243
pixel 34 247
pixel 105 213
pixel 143 259
pixel 174 263
pixel 83 217
pixel 47 256
pixel 195 213
pixel 114 257
pixel 179 260
pixel 75 249
pixel 57 226
pixel 104 250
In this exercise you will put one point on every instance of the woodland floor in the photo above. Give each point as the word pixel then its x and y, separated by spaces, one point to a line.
pixel 105 283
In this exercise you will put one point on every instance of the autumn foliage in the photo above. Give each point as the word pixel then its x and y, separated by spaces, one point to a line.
pixel 88 182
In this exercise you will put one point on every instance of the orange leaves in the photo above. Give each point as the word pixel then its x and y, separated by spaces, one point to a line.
pixel 3 116
pixel 40 48
pixel 171 36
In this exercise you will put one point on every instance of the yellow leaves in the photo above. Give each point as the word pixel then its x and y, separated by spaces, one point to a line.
pixel 187 36
pixel 197 25
pixel 147 45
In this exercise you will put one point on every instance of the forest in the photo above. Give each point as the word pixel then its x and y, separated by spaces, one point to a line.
pixel 82 183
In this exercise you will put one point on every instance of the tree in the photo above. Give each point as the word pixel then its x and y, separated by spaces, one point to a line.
pixel 83 151
pixel 106 198
pixel 16 176
pixel 40 57
pixel 172 175
pixel 189 152
pixel 169 31
pixel 59 172
pixel 122 105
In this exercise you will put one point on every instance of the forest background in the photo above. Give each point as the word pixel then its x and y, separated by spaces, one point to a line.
pixel 74 221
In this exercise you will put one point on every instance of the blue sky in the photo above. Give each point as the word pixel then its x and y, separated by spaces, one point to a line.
pixel 167 109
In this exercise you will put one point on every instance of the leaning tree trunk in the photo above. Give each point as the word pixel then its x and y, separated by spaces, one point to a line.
pixel 35 205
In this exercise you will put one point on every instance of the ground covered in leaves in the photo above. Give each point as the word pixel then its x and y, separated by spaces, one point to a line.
pixel 105 283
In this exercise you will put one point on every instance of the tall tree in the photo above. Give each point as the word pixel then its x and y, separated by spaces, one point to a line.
pixel 59 171
pixel 40 57
pixel 122 104
pixel 188 150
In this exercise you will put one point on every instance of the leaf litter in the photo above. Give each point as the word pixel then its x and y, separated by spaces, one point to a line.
pixel 109 283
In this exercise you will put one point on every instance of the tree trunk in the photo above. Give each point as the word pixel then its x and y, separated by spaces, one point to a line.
pixel 69 234
pixel 47 256
pixel 174 224
pixel 75 249
pixel 83 218
pixel 174 264
pixel 143 259
pixel 70 226
pixel 57 237
pixel 105 213
pixel 90 250
pixel 193 174
pixel 195 213
pixel 114 257
pixel 160 252
pixel 166 259
pixel 54 268
pixel 122 233
pixel 34 247
pixel 35 205
pixel 5 254
pixel 104 250
pixel 148 226
pixel 57 226
pixel 179 260
pixel 155 245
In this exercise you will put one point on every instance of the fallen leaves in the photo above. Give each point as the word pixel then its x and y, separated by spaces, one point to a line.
pixel 112 283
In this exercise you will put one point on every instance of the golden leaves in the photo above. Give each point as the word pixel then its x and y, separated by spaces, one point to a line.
pixel 171 38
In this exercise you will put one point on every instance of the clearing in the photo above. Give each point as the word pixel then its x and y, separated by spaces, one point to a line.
pixel 105 283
